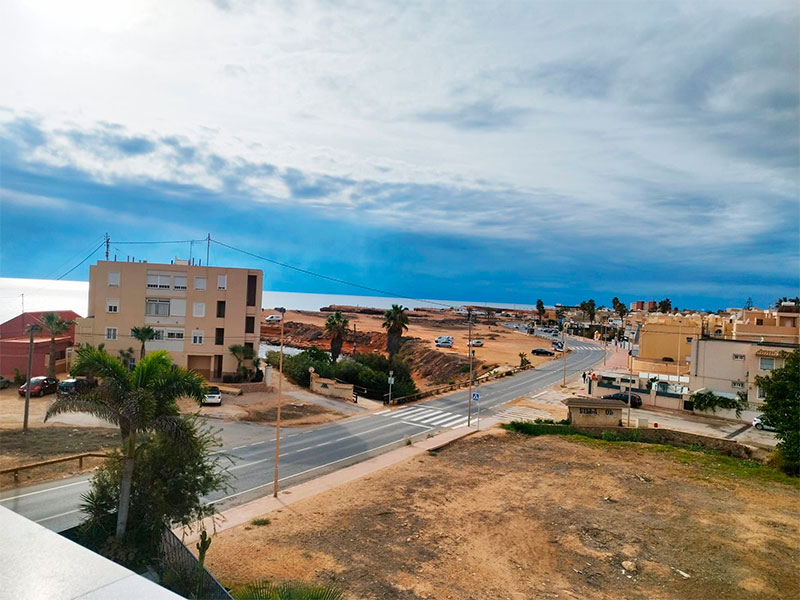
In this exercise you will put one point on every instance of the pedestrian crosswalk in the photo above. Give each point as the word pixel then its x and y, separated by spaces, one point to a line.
pixel 429 417
pixel 522 413
pixel 580 347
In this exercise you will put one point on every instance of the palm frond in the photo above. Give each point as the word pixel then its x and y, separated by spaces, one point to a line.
pixel 267 590
pixel 91 403
pixel 151 368
pixel 96 361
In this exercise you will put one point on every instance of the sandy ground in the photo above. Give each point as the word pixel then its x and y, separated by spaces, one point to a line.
pixel 508 516
pixel 299 407
pixel 501 345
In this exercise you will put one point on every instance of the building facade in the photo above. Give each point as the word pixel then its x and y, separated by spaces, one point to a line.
pixel 15 344
pixel 665 343
pixel 197 311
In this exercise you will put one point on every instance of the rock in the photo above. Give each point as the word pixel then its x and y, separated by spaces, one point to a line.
pixel 629 565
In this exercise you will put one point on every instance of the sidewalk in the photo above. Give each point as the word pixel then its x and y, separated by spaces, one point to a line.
pixel 239 515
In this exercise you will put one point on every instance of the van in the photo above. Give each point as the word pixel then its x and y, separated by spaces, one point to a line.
pixel 273 318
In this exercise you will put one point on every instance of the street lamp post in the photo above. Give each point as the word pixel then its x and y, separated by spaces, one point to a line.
pixel 469 350
pixel 32 329
pixel 564 351
pixel 278 417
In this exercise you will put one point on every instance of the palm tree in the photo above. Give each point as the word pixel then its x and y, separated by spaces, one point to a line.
pixel 138 402
pixel 337 326
pixel 126 356
pixel 56 326
pixel 144 334
pixel 395 321
pixel 540 309
pixel 241 353
pixel 523 360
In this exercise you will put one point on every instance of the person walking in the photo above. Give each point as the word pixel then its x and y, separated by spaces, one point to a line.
pixel 584 377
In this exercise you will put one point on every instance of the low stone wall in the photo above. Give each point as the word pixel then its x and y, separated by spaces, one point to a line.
pixel 244 388
pixel 331 387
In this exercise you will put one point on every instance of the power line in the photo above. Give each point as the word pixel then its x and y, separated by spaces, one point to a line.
pixel 160 242
pixel 88 256
pixel 328 277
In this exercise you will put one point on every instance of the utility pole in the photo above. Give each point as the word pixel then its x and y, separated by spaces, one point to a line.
pixel 469 350
pixel 22 296
pixel 564 350
pixel 108 242
pixel 355 339
pixel 32 329
pixel 630 385
pixel 280 397
pixel 605 348
pixel 208 248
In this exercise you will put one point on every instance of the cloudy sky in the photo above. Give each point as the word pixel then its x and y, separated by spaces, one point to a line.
pixel 479 150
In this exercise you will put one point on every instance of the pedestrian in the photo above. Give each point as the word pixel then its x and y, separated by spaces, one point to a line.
pixel 584 377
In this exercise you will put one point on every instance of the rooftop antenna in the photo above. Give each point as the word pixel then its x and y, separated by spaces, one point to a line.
pixel 108 242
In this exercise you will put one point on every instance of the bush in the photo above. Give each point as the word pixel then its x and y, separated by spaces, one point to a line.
pixel 227 379
pixel 265 590
pixel 19 378
pixel 532 428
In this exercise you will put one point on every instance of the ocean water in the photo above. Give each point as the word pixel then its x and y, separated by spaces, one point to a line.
pixel 48 294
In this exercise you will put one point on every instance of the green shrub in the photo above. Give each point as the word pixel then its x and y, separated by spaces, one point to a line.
pixel 261 522
pixel 19 378
pixel 266 590
pixel 532 428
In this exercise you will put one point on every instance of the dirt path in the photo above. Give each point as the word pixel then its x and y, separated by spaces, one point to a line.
pixel 507 516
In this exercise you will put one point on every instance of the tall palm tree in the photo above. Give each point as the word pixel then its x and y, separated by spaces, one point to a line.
pixel 145 333
pixel 337 326
pixel 395 322
pixel 56 326
pixel 138 402
pixel 540 309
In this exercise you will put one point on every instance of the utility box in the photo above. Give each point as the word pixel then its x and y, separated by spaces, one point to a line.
pixel 642 423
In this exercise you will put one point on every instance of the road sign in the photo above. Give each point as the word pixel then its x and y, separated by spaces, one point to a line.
pixel 475 396
pixel 391 380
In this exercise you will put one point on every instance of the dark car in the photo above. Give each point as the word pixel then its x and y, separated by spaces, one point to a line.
pixel 40 386
pixel 4 383
pixel 636 399
pixel 68 387
pixel 542 352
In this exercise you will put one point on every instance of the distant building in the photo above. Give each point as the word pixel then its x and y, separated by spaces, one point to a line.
pixel 197 311
pixel 15 342
pixel 665 343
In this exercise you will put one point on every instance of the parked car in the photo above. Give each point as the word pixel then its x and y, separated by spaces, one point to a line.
pixel 4 383
pixel 477 343
pixel 72 386
pixel 273 318
pixel 40 386
pixel 636 399
pixel 213 396
pixel 444 341
pixel 761 422
pixel 542 352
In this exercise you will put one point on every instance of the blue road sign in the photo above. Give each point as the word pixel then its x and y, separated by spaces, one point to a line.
pixel 475 396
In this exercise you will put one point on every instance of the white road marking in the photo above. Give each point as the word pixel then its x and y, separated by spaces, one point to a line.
pixel 451 421
pixel 69 512
pixel 408 411
pixel 435 417
pixel 416 425
pixel 460 426
pixel 425 415
pixel 383 412
pixel 441 420
pixel 47 490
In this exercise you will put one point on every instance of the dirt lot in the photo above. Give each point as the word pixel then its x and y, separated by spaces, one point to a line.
pixel 508 516
pixel 45 443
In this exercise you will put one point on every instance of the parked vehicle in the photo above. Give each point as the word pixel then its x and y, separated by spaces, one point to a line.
pixel 761 422
pixel 213 396
pixel 40 386
pixel 477 343
pixel 72 386
pixel 542 352
pixel 4 383
pixel 444 341
pixel 636 399
pixel 273 318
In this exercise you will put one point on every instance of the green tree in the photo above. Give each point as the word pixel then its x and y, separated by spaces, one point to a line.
pixel 56 326
pixel 138 402
pixel 782 408
pixel 708 400
pixel 540 309
pixel 241 353
pixel 144 334
pixel 589 309
pixel 395 322
pixel 665 305
pixel 337 326
pixel 267 590
pixel 126 356
pixel 780 301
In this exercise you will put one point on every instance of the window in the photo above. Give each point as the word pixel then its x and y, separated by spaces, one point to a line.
pixel 248 345
pixel 159 334
pixel 156 308
pixel 761 393
pixel 197 337
pixel 158 282
pixel 199 309
pixel 113 278
pixel 179 282
pixel 766 364
pixel 222 282
pixel 111 333
pixel 739 385
pixel 112 305
pixel 738 357
pixel 249 324
pixel 219 336
pixel 252 281
pixel 688 340
pixel 200 283
pixel 177 307
pixel 174 334
pixel 759 321
pixel 220 308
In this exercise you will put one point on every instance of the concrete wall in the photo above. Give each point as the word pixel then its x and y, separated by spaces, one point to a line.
pixel 595 417
pixel 330 387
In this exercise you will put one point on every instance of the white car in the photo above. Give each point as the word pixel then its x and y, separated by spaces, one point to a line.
pixel 760 423
pixel 477 343
pixel 273 318
pixel 213 396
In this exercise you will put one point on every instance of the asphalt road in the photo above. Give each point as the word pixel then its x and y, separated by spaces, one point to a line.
pixel 310 452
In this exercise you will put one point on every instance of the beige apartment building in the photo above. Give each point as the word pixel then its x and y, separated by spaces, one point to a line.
pixel 197 311
pixel 665 343
pixel 729 367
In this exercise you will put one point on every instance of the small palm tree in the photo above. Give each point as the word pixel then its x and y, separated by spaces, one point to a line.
pixel 56 326
pixel 144 334
pixel 395 322
pixel 267 590
pixel 138 402
pixel 337 326
pixel 241 353
pixel 523 360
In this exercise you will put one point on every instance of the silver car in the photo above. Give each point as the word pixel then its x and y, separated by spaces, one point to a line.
pixel 213 396
pixel 761 423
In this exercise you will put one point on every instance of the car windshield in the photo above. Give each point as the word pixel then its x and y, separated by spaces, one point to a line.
pixel 36 380
pixel 213 390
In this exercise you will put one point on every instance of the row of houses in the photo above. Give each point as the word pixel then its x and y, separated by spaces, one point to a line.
pixel 197 312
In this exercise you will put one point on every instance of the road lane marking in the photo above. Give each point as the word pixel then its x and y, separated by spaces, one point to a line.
pixel 440 420
pixel 69 512
pixel 451 421
pixel 539 394
pixel 409 411
pixel 416 425
pixel 60 487
pixel 425 415
pixel 383 412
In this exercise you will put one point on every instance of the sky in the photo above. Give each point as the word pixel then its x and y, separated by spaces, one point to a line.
pixel 490 151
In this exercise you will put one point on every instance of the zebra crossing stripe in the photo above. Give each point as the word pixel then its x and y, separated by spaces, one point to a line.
pixel 445 419
pixel 435 417
pixel 407 411
pixel 423 415
pixel 451 422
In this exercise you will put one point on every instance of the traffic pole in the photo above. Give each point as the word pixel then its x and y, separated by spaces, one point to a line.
pixel 469 351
